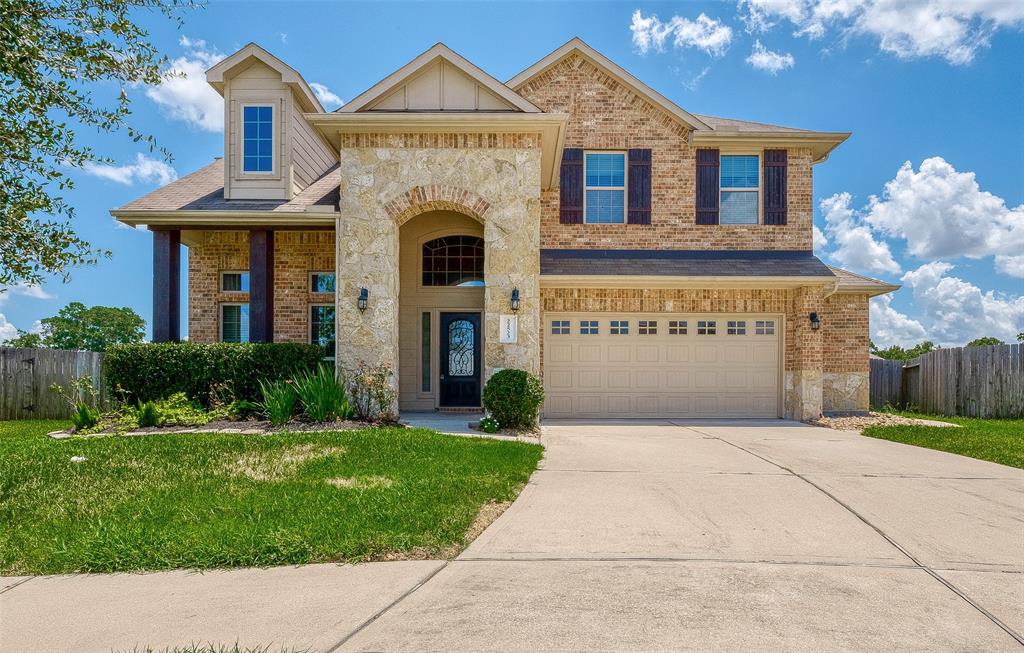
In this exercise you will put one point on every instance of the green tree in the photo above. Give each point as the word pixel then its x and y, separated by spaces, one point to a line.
pixel 1020 337
pixel 55 55
pixel 94 329
pixel 897 353
pixel 25 339
pixel 987 340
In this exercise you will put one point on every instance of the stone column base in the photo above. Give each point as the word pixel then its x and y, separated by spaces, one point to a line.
pixel 803 395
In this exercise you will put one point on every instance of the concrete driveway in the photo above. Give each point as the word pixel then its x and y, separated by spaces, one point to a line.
pixel 632 536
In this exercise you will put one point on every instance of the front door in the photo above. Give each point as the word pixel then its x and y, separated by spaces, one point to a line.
pixel 460 359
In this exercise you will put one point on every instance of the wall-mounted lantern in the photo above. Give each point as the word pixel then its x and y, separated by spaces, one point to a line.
pixel 364 297
pixel 515 300
pixel 815 322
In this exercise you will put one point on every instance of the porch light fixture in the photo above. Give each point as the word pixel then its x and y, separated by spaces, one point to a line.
pixel 364 296
pixel 515 300
pixel 815 322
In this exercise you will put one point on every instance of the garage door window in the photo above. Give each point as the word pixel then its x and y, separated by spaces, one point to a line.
pixel 706 327
pixel 648 327
pixel 737 328
pixel 588 327
pixel 560 327
pixel 619 327
pixel 677 327
pixel 764 327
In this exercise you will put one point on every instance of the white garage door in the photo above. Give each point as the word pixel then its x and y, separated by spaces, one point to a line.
pixel 661 365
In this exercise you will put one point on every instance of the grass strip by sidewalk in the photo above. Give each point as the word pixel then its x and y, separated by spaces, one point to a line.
pixel 997 440
pixel 215 500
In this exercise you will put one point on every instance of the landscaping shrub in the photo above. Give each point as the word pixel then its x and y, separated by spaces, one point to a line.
pixel 514 398
pixel 204 372
pixel 278 403
pixel 373 397
pixel 179 410
pixel 146 414
pixel 322 396
pixel 489 425
pixel 85 417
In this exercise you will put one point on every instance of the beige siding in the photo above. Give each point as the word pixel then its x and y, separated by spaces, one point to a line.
pixel 415 299
pixel 301 155
pixel 311 155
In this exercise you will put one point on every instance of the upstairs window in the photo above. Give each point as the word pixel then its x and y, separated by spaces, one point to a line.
pixel 739 186
pixel 605 192
pixel 453 261
pixel 258 139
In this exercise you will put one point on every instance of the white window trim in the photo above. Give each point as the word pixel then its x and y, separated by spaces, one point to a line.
pixel 220 318
pixel 321 273
pixel 275 137
pixel 309 326
pixel 623 188
pixel 224 273
pixel 760 182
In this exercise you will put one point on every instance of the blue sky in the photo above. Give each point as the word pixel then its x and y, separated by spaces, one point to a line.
pixel 932 91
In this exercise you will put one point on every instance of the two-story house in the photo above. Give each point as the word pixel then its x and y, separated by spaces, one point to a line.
pixel 573 222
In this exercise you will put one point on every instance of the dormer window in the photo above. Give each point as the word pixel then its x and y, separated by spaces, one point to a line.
pixel 258 138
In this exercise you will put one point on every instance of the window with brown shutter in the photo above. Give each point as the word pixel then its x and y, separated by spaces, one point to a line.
pixel 639 192
pixel 571 191
pixel 776 169
pixel 707 186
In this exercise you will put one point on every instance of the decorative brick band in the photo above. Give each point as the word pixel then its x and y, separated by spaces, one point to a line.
pixel 436 197
pixel 443 141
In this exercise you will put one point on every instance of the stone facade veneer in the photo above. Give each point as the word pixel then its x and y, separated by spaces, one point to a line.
pixel 388 179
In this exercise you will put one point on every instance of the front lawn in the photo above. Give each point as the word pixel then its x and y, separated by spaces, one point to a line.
pixel 209 500
pixel 998 440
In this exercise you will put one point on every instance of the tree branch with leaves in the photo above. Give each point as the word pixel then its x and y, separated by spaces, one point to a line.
pixel 55 57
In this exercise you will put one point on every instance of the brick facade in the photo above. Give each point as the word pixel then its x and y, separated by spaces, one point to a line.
pixel 296 255
pixel 603 114
pixel 845 328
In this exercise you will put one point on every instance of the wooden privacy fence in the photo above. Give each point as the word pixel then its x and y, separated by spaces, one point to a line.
pixel 27 374
pixel 969 381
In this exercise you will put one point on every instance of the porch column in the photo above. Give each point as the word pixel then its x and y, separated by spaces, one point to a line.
pixel 166 285
pixel 261 285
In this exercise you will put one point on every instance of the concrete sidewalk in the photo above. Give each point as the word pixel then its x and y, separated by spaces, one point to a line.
pixel 632 536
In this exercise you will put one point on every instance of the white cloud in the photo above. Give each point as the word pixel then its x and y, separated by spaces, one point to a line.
pixel 941 212
pixel 327 98
pixel 952 29
pixel 890 327
pixel 24 290
pixel 284 37
pixel 771 62
pixel 184 93
pixel 7 330
pixel 144 170
pixel 818 238
pixel 856 246
pixel 1011 266
pixel 708 34
pixel 957 311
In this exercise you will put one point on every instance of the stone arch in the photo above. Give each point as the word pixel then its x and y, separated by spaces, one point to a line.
pixel 436 197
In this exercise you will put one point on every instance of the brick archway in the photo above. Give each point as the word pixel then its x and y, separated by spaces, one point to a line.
pixel 436 197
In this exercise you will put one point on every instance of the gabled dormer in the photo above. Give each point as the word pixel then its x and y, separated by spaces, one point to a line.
pixel 439 80
pixel 270 150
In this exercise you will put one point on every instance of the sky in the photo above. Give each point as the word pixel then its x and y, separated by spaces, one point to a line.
pixel 927 193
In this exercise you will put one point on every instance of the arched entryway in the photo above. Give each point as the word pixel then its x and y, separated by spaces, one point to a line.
pixel 440 312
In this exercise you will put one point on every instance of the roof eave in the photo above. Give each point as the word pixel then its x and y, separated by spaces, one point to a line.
pixel 215 76
pixel 871 290
pixel 679 281
pixel 191 218
pixel 821 143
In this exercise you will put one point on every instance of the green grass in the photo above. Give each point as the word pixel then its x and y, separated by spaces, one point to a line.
pixel 209 500
pixel 998 440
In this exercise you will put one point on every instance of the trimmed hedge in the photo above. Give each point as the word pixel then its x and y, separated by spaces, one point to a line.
pixel 513 397
pixel 153 371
